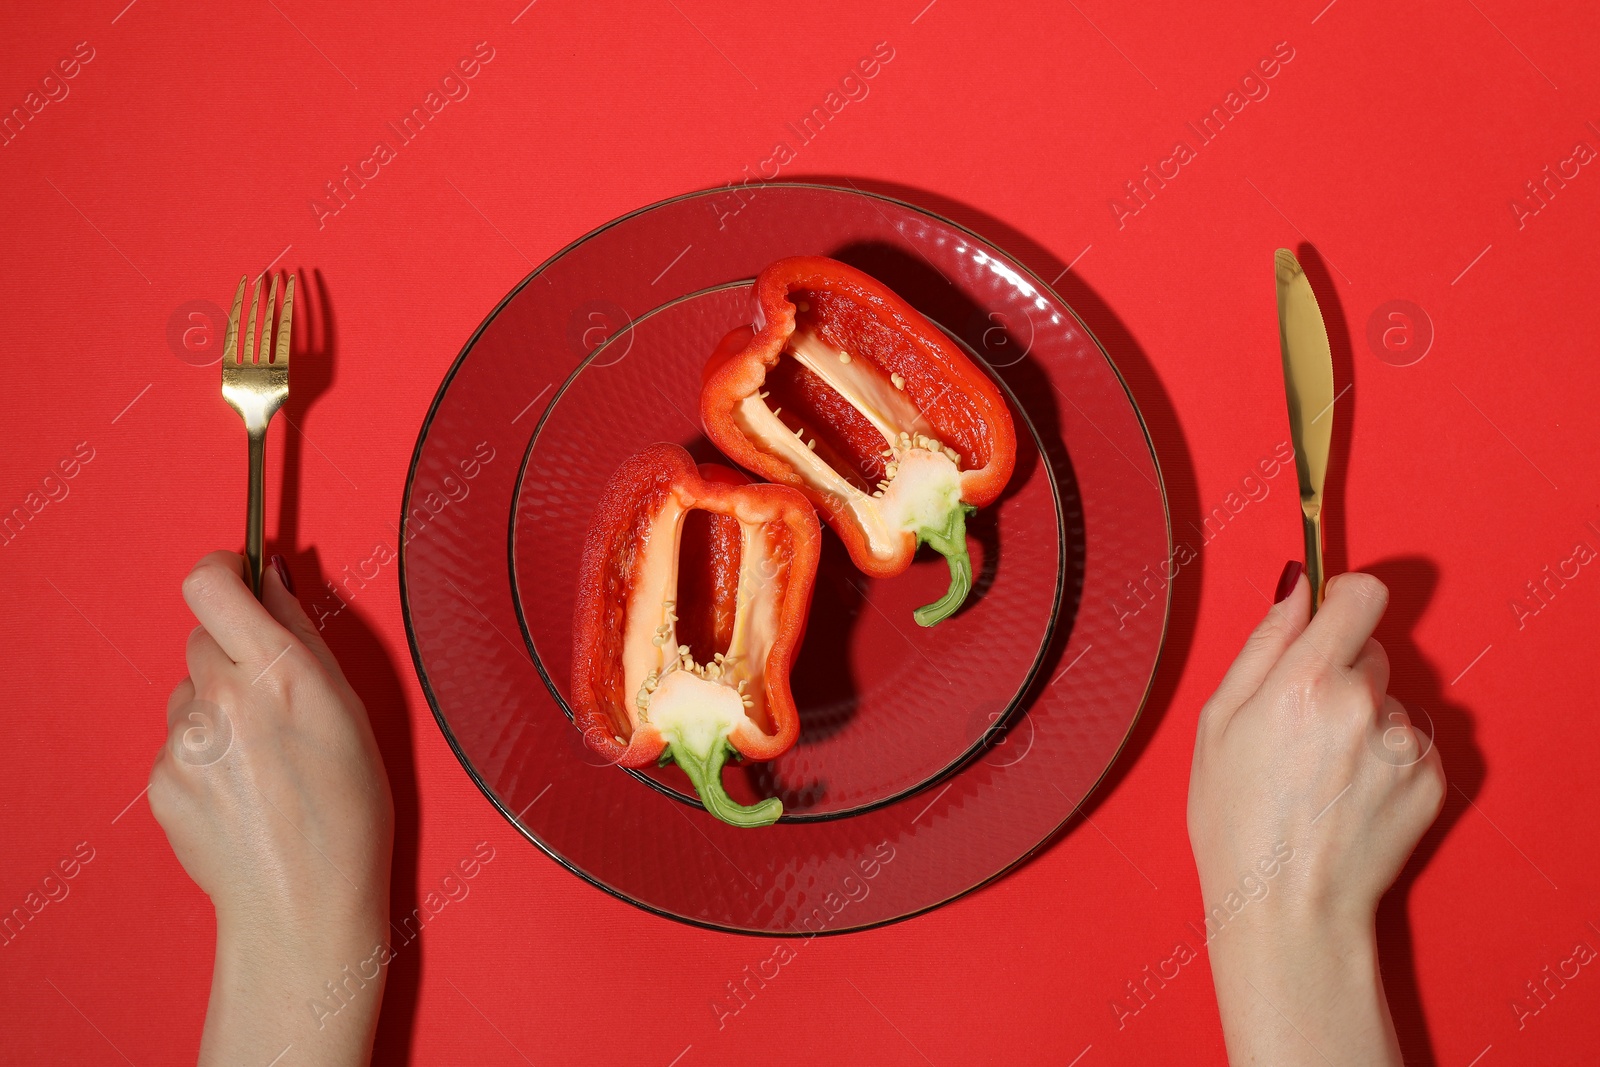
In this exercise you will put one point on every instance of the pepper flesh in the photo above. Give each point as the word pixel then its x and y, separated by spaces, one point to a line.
pixel 685 630
pixel 845 392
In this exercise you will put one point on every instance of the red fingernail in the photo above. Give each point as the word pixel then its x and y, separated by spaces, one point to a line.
pixel 280 565
pixel 1286 581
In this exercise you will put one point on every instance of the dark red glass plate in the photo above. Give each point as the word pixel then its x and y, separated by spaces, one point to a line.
pixel 647 846
pixel 884 703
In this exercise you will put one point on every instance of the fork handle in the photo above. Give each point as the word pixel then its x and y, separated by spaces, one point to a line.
pixel 255 507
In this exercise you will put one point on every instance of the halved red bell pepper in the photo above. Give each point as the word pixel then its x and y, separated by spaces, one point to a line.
pixel 693 592
pixel 845 392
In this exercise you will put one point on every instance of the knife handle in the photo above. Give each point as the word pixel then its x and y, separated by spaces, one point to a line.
pixel 1313 530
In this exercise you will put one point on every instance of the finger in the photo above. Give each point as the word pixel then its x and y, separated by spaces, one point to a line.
pixel 1373 665
pixel 223 604
pixel 1262 649
pixel 1435 766
pixel 205 658
pixel 285 607
pixel 1341 627
pixel 182 693
pixel 1403 744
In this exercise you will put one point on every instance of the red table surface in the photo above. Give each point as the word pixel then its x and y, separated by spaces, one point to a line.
pixel 191 145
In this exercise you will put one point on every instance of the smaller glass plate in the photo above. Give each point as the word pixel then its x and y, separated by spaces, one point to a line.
pixel 886 706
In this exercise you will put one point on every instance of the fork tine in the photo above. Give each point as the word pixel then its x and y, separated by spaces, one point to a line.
pixel 265 356
pixel 248 353
pixel 285 321
pixel 230 344
pixel 310 331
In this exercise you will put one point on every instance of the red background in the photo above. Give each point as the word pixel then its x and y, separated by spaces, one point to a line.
pixel 1394 142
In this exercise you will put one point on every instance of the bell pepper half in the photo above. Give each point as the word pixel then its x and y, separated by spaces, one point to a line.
pixel 693 591
pixel 845 392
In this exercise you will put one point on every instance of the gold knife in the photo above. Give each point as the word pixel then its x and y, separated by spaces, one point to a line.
pixel 1308 382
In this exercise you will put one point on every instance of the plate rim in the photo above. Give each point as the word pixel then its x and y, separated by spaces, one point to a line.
pixel 514 820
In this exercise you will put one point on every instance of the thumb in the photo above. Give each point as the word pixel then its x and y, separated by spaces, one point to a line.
pixel 279 600
pixel 1285 621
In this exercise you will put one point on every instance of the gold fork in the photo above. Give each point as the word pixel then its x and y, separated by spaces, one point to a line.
pixel 256 389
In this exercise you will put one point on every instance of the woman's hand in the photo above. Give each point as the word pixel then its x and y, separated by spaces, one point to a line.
pixel 273 795
pixel 1309 791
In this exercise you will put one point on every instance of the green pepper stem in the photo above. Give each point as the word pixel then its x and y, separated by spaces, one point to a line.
pixel 950 541
pixel 705 773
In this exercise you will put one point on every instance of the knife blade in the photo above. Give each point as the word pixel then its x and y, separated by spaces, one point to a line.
pixel 1308 384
